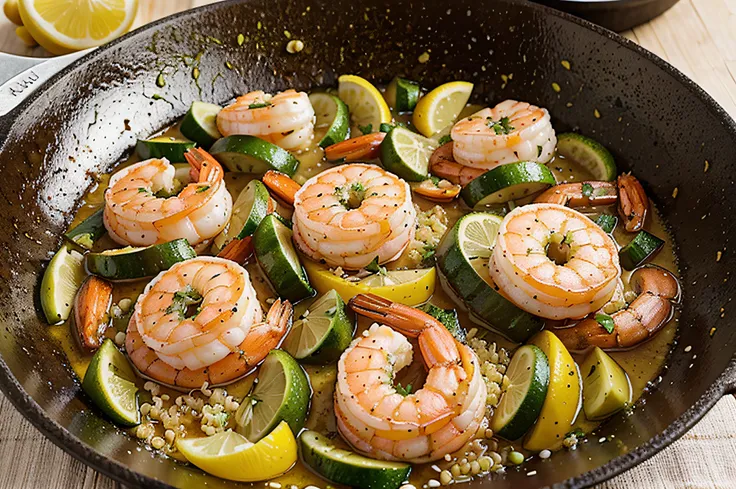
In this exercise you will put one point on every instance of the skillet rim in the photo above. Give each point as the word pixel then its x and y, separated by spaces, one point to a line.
pixel 61 437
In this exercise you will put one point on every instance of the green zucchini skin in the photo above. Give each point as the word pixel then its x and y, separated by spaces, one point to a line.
pixel 507 182
pixel 642 248
pixel 88 231
pixel 250 154
pixel 139 263
pixel 481 298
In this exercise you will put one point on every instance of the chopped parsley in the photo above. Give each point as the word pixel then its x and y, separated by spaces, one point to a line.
pixel 445 139
pixel 605 321
pixel 367 129
pixel 587 190
pixel 259 105
pixel 203 189
pixel 183 302
pixel 539 151
pixel 501 127
pixel 374 267
pixel 404 391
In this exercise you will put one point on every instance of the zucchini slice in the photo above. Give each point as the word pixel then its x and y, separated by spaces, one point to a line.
pixel 164 147
pixel 88 231
pixel 135 263
pixel 200 124
pixel 402 95
pixel 249 209
pixel 250 154
pixel 607 222
pixel 278 259
pixel 348 468
pixel 462 258
pixel 507 182
pixel 332 113
pixel 642 248
pixel 588 154
pixel 522 402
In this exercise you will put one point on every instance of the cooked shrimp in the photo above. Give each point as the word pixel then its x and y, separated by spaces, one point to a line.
pixel 443 164
pixel 201 321
pixel 511 131
pixel 421 426
pixel 656 289
pixel 582 194
pixel 141 210
pixel 351 214
pixel 554 262
pixel 285 119
pixel 442 191
pixel 633 203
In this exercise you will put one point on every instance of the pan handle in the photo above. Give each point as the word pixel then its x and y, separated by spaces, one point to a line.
pixel 21 75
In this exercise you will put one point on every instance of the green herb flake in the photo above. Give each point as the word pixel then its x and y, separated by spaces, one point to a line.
pixel 448 318
pixel 182 300
pixel 259 105
pixel 367 129
pixel 404 391
pixel 501 127
pixel 587 190
pixel 539 151
pixel 445 139
pixel 385 127
pixel 203 189
pixel 606 322
pixel 435 180
pixel 374 267
pixel 160 82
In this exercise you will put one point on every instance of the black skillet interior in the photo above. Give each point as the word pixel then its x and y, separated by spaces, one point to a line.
pixel 654 120
pixel 617 15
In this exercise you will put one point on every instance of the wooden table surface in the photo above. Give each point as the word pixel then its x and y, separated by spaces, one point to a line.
pixel 696 36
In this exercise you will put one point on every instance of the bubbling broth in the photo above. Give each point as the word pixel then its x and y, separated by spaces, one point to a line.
pixel 642 364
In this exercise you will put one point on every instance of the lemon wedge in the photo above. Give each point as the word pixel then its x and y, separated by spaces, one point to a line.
pixel 410 287
pixel 562 403
pixel 229 455
pixel 440 107
pixel 368 108
pixel 63 26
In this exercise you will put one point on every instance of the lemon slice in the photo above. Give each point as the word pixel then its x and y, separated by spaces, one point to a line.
pixel 63 26
pixel 440 107
pixel 229 455
pixel 410 287
pixel 367 105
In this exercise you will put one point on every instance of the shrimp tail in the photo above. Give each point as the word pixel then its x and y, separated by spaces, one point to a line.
pixel 633 204
pixel 362 148
pixel 281 185
pixel 203 167
pixel 578 195
pixel 408 320
pixel 658 290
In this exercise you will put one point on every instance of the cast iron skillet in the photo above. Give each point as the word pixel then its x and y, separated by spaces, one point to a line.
pixel 656 122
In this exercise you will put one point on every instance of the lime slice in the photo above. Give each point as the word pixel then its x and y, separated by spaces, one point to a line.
pixel 281 394
pixel 231 456
pixel 200 124
pixel 367 105
pixel 249 209
pixel 562 402
pixel 506 183
pixel 528 375
pixel 110 382
pixel 463 257
pixel 164 147
pixel 276 255
pixel 322 332
pixel 406 154
pixel 349 468
pixel 606 388
pixel 402 95
pixel 440 107
pixel 332 116
pixel 61 280
pixel 134 263
pixel 88 231
pixel 250 154
pixel 588 154
pixel 410 287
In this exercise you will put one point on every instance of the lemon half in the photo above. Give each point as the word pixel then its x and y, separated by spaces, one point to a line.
pixel 64 26
pixel 441 107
